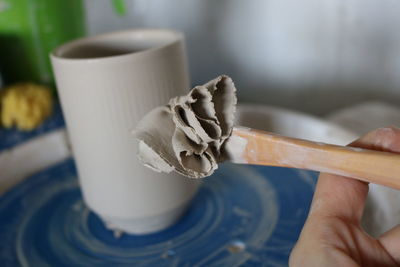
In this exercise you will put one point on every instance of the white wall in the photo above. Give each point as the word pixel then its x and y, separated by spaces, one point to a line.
pixel 311 55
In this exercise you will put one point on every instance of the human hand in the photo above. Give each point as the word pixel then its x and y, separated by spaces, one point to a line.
pixel 332 234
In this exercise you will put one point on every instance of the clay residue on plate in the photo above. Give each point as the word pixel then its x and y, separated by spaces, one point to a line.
pixel 189 134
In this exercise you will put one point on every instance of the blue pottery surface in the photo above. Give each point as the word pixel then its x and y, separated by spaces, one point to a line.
pixel 242 215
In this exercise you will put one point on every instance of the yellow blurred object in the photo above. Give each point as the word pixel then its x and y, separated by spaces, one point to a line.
pixel 25 106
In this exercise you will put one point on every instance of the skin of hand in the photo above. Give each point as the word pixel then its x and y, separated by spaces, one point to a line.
pixel 332 234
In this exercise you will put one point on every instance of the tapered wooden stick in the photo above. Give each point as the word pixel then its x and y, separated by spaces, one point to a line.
pixel 264 148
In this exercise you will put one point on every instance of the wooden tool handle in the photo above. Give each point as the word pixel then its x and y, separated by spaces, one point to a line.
pixel 264 148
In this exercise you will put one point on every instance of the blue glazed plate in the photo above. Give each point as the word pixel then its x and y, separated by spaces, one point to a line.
pixel 242 215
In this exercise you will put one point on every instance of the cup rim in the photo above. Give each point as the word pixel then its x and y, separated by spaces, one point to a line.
pixel 55 54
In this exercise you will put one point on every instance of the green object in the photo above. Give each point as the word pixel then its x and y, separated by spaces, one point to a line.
pixel 29 30
pixel 119 7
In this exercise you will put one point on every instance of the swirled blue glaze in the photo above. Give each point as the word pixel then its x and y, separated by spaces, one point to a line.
pixel 242 215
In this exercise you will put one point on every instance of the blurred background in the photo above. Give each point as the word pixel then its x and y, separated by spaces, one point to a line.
pixel 310 55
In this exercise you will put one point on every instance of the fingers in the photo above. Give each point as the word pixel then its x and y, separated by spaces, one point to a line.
pixel 337 196
pixel 390 240
pixel 382 139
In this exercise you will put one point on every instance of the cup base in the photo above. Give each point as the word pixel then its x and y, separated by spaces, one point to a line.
pixel 146 225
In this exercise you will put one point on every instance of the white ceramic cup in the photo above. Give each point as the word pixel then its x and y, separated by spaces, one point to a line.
pixel 106 84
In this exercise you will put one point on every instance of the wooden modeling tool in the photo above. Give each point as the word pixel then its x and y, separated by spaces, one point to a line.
pixel 264 148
